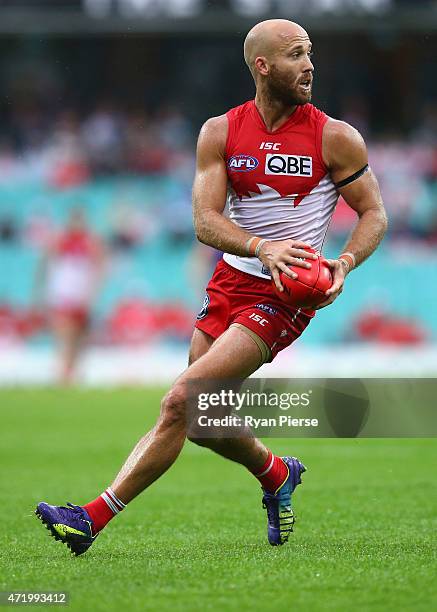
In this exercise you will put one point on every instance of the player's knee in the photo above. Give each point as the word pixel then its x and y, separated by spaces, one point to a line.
pixel 173 407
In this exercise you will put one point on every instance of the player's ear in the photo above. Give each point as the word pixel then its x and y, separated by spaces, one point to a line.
pixel 261 65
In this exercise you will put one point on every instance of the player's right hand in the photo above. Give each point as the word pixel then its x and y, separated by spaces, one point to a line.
pixel 278 255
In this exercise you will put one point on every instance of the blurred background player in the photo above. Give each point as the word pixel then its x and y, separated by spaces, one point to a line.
pixel 70 276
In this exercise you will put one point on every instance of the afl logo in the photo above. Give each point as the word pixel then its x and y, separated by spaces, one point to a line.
pixel 242 163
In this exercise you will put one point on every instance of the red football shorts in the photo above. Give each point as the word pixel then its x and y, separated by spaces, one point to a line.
pixel 233 296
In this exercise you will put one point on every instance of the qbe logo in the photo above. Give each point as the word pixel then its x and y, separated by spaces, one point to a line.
pixel 242 163
pixel 289 165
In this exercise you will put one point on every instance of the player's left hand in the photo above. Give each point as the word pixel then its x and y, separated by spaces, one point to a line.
pixel 339 271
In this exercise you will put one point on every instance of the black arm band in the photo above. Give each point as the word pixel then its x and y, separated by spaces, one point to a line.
pixel 352 178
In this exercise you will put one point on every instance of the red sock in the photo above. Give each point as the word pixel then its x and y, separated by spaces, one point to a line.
pixel 103 509
pixel 272 474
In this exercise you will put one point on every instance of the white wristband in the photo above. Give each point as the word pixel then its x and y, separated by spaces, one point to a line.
pixel 258 247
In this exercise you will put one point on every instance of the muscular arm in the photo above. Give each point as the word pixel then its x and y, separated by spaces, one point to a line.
pixel 345 153
pixel 209 192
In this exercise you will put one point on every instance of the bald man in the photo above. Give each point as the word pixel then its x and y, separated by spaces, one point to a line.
pixel 281 164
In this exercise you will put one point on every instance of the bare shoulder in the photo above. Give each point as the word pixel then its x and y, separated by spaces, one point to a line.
pixel 342 144
pixel 214 133
pixel 340 133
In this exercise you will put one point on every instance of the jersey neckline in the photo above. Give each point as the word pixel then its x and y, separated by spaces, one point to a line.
pixel 292 119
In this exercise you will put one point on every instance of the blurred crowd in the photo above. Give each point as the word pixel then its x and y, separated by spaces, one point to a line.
pixel 69 150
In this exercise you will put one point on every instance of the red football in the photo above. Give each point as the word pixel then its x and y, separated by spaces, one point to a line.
pixel 308 289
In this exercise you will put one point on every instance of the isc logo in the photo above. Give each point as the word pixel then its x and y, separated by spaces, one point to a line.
pixel 293 165
pixel 258 318
pixel 242 163
pixel 271 146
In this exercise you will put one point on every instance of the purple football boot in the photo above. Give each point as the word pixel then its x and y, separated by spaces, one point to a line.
pixel 71 525
pixel 280 517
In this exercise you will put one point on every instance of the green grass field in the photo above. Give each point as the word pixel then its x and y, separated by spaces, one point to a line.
pixel 364 540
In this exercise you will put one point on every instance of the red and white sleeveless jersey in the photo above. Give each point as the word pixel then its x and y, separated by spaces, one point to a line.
pixel 279 186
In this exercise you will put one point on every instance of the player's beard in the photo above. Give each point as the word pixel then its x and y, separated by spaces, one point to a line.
pixel 280 90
